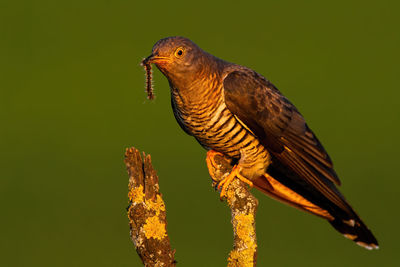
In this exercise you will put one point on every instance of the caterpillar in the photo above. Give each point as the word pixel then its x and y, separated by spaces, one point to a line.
pixel 149 84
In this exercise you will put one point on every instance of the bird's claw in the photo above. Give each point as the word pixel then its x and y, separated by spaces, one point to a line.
pixel 210 159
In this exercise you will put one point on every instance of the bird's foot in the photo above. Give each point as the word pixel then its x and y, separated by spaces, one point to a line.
pixel 210 159
pixel 228 179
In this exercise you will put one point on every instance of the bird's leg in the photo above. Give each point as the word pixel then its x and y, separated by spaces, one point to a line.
pixel 228 179
pixel 235 172
pixel 212 165
pixel 210 158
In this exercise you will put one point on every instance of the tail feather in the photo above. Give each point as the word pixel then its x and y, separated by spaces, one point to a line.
pixel 357 231
pixel 290 190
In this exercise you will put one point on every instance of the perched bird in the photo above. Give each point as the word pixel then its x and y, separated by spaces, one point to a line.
pixel 233 110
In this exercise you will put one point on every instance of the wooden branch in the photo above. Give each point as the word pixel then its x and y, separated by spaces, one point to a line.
pixel 146 212
pixel 243 207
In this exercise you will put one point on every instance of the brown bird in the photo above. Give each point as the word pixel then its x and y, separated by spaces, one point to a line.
pixel 233 110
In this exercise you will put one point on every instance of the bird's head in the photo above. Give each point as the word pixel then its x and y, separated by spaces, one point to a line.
pixel 178 58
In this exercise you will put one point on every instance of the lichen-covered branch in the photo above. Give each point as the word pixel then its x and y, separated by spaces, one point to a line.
pixel 243 207
pixel 146 212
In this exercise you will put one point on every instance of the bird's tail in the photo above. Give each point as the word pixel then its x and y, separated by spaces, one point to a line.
pixel 347 223
pixel 356 230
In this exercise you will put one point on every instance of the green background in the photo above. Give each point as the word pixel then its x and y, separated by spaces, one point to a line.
pixel 72 99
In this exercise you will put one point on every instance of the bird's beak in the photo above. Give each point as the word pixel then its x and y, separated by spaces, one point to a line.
pixel 155 59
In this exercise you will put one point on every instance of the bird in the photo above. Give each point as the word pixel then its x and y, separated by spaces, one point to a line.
pixel 232 110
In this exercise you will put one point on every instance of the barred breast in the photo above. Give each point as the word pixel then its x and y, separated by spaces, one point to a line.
pixel 207 118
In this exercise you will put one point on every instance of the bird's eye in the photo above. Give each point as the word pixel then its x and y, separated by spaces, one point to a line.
pixel 179 52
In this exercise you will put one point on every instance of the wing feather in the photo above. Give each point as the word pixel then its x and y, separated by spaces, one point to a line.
pixel 282 130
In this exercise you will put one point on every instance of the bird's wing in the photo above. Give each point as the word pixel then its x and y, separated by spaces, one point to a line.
pixel 282 130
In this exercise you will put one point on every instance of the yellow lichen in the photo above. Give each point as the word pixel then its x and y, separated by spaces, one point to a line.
pixel 154 228
pixel 136 195
pixel 243 258
pixel 245 232
pixel 157 205
pixel 244 227
pixel 233 259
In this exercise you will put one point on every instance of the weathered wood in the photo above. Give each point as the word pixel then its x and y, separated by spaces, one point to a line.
pixel 243 207
pixel 146 212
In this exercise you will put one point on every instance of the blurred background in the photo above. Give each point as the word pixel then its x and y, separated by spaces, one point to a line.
pixel 72 99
